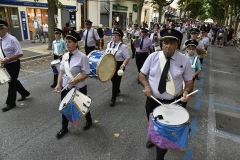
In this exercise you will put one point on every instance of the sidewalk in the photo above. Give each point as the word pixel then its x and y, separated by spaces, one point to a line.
pixel 37 50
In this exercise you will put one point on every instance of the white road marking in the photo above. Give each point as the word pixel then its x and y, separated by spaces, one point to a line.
pixel 226 72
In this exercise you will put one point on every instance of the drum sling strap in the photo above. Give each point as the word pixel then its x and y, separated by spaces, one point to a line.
pixel 170 87
pixel 67 67
pixel 194 61
pixel 2 55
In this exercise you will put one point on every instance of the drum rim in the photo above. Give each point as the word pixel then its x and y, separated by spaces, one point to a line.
pixel 100 61
pixel 70 100
pixel 114 67
pixel 171 124
pixel 8 75
pixel 56 60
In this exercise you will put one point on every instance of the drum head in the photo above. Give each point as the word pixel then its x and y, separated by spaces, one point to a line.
pixel 67 98
pixel 55 62
pixel 172 114
pixel 106 67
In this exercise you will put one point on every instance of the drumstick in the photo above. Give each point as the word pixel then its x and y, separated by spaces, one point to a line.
pixel 157 100
pixel 181 98
pixel 68 83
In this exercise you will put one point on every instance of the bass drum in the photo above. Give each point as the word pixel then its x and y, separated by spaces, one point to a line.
pixel 102 66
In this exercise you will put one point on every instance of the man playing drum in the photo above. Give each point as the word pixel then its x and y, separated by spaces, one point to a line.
pixel 162 76
pixel 77 63
pixel 12 52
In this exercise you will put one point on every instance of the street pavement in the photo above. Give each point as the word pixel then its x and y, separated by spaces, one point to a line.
pixel 120 133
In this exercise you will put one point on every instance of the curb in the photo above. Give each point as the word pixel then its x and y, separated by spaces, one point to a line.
pixel 34 57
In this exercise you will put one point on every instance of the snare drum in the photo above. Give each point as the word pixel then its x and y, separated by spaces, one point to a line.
pixel 54 65
pixel 168 128
pixel 4 76
pixel 75 106
pixel 102 66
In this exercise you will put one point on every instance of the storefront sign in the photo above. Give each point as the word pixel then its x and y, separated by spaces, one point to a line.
pixel 118 7
pixel 31 3
pixel 24 25
pixel 135 8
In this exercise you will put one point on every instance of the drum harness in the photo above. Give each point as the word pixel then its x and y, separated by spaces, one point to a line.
pixel 113 50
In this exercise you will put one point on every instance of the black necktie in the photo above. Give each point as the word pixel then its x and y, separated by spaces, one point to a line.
pixel 141 45
pixel 70 56
pixel 162 83
pixel 114 45
pixel 86 39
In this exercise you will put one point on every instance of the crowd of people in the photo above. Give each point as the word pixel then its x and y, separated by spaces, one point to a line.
pixel 162 68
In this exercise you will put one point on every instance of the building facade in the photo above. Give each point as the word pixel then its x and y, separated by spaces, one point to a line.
pixel 20 13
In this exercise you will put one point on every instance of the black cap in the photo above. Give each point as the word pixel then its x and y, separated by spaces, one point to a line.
pixel 118 31
pixel 3 23
pixel 203 29
pixel 191 43
pixel 144 23
pixel 171 34
pixel 194 30
pixel 135 25
pixel 74 35
pixel 144 30
pixel 116 22
pixel 57 30
pixel 88 22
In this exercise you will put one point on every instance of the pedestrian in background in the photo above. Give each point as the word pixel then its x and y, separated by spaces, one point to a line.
pixel 12 51
pixel 36 27
pixel 45 31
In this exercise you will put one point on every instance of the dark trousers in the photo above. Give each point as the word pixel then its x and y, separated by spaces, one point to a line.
pixel 214 39
pixel 116 82
pixel 14 85
pixel 64 119
pixel 140 59
pixel 150 106
pixel 133 49
pixel 89 49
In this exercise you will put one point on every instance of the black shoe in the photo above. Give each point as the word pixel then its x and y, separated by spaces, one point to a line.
pixel 53 85
pixel 112 103
pixel 23 97
pixel 149 144
pixel 87 126
pixel 8 107
pixel 61 133
pixel 197 78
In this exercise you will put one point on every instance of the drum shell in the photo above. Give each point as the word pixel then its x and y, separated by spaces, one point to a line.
pixel 75 106
pixel 102 66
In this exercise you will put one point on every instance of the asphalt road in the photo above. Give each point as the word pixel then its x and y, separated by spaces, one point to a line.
pixel 120 133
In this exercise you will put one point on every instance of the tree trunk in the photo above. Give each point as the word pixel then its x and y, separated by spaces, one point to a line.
pixel 140 5
pixel 52 9
pixel 160 9
pixel 236 24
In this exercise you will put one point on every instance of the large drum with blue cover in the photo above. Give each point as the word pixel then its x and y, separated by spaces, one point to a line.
pixel 102 66
pixel 169 126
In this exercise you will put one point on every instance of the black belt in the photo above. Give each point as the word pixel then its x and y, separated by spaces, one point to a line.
pixel 141 52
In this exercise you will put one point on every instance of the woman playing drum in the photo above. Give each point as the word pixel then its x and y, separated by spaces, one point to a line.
pixel 78 63
pixel 120 51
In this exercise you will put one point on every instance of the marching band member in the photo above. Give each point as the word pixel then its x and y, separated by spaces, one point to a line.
pixel 194 60
pixel 155 37
pixel 115 26
pixel 59 48
pixel 153 76
pixel 205 41
pixel 143 51
pixel 120 51
pixel 12 52
pixel 78 63
pixel 91 38
pixel 134 35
